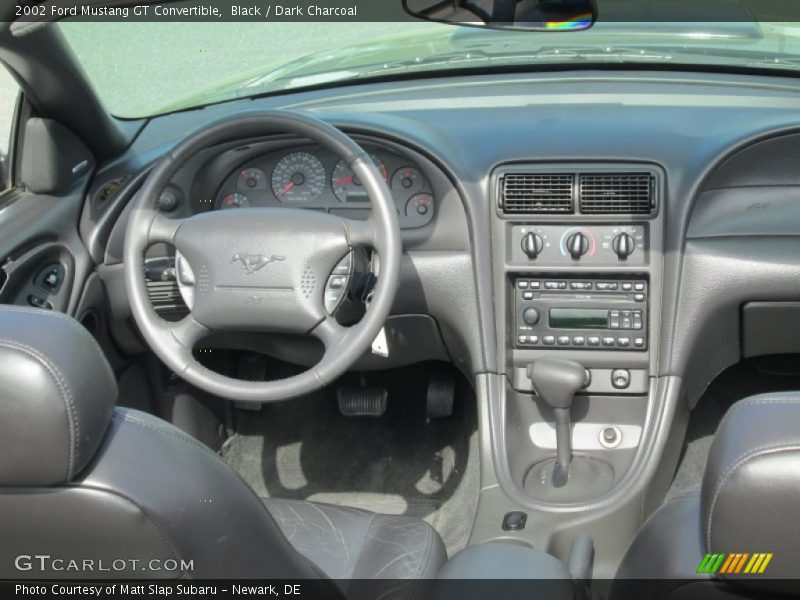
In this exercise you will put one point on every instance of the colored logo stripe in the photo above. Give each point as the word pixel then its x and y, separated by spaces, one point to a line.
pixel 735 562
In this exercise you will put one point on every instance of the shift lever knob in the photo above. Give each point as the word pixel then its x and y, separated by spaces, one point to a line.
pixel 556 382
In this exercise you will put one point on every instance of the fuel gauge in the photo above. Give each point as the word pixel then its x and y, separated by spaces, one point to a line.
pixel 235 200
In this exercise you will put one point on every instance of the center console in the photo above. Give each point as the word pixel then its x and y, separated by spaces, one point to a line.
pixel 577 254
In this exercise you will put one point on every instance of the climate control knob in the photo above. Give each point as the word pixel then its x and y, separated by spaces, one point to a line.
pixel 530 316
pixel 577 245
pixel 532 244
pixel 623 245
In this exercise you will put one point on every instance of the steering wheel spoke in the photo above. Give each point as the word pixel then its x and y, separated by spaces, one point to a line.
pixel 164 229
pixel 188 331
pixel 360 232
pixel 329 332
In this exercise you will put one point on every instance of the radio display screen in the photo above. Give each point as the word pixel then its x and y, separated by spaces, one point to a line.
pixel 578 318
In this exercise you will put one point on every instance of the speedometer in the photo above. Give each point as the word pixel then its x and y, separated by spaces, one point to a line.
pixel 298 177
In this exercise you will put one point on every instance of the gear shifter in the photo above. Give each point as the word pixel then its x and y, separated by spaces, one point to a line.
pixel 556 381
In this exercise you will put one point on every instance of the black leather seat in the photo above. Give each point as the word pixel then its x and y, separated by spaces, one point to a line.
pixel 82 480
pixel 748 503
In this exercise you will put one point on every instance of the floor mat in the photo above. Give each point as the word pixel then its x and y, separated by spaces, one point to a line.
pixel 747 378
pixel 400 463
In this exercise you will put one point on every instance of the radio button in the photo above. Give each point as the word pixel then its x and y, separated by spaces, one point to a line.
pixel 563 340
pixel 638 342
pixel 578 340
pixel 549 340
pixel 593 340
pixel 531 316
pixel 609 341
pixel 624 341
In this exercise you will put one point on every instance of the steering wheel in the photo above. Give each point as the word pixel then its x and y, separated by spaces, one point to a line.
pixel 262 269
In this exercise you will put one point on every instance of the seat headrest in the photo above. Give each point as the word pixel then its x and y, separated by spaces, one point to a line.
pixel 749 497
pixel 57 393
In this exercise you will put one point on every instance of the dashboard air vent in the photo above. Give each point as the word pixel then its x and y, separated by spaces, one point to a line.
pixel 529 193
pixel 616 193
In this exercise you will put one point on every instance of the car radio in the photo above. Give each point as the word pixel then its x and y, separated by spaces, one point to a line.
pixel 585 313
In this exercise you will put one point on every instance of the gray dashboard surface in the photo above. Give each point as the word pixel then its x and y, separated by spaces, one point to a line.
pixel 687 123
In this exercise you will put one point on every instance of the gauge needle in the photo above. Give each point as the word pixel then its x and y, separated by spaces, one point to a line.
pixel 286 189
pixel 344 180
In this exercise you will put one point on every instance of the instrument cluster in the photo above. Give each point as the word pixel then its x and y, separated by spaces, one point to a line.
pixel 312 177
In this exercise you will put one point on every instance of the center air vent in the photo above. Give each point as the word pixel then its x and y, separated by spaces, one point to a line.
pixel 616 193
pixel 528 193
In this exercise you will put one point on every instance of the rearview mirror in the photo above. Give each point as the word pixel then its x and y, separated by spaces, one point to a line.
pixel 528 15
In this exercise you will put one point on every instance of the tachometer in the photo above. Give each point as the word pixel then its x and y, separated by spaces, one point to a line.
pixel 251 179
pixel 235 200
pixel 298 177
pixel 346 185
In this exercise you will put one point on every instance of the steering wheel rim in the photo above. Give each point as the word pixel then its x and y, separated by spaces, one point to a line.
pixel 324 236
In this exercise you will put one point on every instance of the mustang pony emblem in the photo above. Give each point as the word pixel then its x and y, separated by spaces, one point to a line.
pixel 254 262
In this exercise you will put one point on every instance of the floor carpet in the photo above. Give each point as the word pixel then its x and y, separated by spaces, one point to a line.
pixel 400 463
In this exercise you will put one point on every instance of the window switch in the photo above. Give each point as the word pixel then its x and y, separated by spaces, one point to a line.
pixel 37 302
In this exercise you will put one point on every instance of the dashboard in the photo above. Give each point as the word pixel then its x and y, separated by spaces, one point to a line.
pixel 642 224
pixel 313 177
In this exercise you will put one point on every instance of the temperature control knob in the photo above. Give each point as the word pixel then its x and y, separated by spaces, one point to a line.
pixel 532 245
pixel 577 245
pixel 623 245
pixel 530 316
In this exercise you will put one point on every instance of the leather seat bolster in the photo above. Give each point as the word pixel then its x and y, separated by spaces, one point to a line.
pixel 669 545
pixel 369 555
pixel 749 492
pixel 58 395
pixel 179 484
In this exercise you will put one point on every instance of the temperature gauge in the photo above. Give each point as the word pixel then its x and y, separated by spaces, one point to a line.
pixel 235 200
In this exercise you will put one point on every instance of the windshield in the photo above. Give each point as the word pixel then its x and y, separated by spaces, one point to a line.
pixel 143 69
